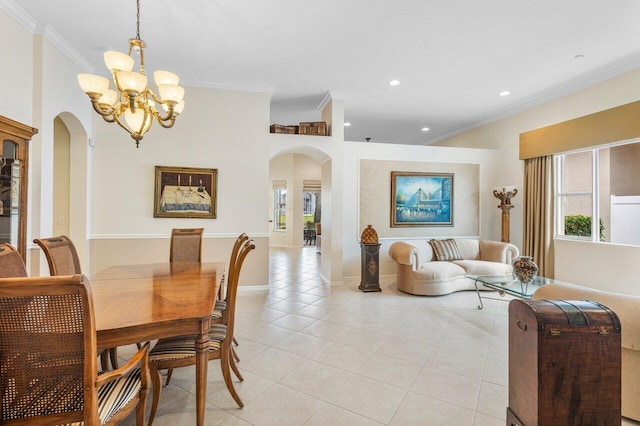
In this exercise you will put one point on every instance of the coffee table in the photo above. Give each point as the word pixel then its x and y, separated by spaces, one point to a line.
pixel 508 284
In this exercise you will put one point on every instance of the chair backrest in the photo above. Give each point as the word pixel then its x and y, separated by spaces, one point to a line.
pixel 61 255
pixel 48 354
pixel 11 263
pixel 186 245
pixel 228 314
pixel 232 260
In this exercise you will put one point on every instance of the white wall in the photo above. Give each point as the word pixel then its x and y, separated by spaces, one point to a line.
pixel 16 72
pixel 571 262
pixel 492 173
pixel 221 129
pixel 605 266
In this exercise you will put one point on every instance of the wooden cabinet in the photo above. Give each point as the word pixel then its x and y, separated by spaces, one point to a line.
pixel 14 166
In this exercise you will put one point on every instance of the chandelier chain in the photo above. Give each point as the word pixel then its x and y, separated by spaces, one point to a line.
pixel 138 19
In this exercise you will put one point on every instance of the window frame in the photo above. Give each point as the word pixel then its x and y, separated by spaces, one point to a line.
pixel 594 193
pixel 280 209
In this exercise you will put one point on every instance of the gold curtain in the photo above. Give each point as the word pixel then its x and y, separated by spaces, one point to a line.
pixel 538 213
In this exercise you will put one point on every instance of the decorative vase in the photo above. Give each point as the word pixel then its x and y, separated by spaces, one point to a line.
pixel 525 269
pixel 369 236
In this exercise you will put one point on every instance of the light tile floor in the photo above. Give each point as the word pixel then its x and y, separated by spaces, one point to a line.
pixel 315 355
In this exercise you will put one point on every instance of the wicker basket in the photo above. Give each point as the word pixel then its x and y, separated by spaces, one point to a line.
pixel 316 128
pixel 279 128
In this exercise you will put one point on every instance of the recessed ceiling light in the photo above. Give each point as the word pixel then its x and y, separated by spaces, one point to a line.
pixel 347 124
pixel 425 129
pixel 505 93
pixel 394 82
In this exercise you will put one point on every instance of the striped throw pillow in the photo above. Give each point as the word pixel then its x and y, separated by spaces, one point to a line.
pixel 445 249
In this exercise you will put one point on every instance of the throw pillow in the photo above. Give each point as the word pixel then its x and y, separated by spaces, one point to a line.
pixel 445 249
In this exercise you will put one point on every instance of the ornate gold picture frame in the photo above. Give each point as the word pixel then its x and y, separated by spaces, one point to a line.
pixel 185 192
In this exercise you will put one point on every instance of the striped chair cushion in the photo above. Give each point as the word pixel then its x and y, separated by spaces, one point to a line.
pixel 114 395
pixel 184 346
pixel 445 249
pixel 221 305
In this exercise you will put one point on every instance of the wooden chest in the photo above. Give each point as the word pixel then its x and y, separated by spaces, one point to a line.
pixel 564 363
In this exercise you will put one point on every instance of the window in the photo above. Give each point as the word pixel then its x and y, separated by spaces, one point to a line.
pixel 598 194
pixel 279 205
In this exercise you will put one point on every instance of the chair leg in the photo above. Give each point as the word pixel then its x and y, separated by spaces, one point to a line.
pixel 169 372
pixel 234 367
pixel 226 373
pixel 156 382
pixel 235 341
pixel 234 354
pixel 113 354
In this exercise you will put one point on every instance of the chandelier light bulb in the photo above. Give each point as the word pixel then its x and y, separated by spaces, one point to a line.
pixel 171 92
pixel 177 109
pixel 108 98
pixel 132 81
pixel 93 83
pixel 118 61
pixel 165 77
pixel 139 121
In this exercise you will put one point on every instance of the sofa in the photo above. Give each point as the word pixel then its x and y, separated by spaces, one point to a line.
pixel 628 310
pixel 419 272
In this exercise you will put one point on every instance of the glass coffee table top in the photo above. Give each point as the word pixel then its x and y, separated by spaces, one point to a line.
pixel 508 284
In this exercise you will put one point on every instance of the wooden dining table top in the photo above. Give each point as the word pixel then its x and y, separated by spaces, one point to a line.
pixel 135 303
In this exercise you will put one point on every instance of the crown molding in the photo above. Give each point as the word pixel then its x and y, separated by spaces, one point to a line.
pixel 18 14
pixel 239 87
pixel 552 95
pixel 325 100
pixel 23 18
pixel 63 45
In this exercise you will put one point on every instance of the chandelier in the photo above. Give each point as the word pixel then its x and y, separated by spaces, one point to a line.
pixel 133 105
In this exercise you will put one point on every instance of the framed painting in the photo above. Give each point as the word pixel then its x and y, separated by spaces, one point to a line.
pixel 185 192
pixel 421 199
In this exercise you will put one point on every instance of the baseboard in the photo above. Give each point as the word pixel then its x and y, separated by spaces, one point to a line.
pixel 355 280
pixel 251 288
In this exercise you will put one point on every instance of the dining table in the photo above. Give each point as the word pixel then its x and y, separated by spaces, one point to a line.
pixel 144 302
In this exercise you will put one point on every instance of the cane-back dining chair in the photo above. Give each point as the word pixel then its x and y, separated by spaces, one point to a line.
pixel 180 351
pixel 48 358
pixel 186 245
pixel 221 305
pixel 11 263
pixel 61 255
pixel 63 259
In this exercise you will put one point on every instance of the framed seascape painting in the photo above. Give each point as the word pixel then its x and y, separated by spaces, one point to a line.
pixel 421 199
pixel 185 192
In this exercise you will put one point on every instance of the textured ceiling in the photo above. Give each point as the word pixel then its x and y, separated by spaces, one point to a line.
pixel 452 57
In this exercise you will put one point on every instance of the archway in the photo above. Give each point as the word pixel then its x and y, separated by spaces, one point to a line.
pixel 77 178
pixel 331 257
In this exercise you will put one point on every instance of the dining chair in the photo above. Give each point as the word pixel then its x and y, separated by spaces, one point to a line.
pixel 180 351
pixel 48 358
pixel 221 306
pixel 11 263
pixel 61 254
pixel 63 259
pixel 221 303
pixel 186 245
